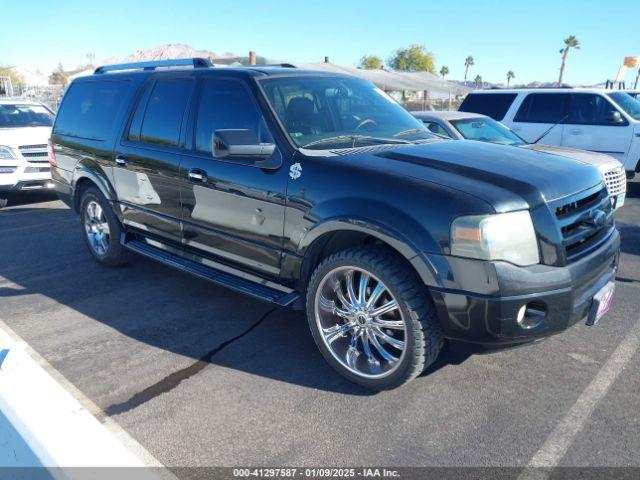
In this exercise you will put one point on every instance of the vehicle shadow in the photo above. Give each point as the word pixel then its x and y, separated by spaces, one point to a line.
pixel 155 305
pixel 633 188
pixel 12 199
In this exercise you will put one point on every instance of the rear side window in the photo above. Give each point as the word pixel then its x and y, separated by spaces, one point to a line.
pixel 492 105
pixel 543 108
pixel 226 104
pixel 163 112
pixel 89 109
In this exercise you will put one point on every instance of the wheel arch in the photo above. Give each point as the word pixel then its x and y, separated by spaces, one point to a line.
pixel 86 178
pixel 340 234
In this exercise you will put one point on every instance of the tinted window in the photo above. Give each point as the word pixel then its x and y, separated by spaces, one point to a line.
pixel 226 104
pixel 589 109
pixel 491 105
pixel 543 108
pixel 18 115
pixel 90 109
pixel 164 111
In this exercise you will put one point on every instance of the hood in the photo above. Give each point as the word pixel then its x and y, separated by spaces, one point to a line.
pixel 15 137
pixel 509 178
pixel 585 156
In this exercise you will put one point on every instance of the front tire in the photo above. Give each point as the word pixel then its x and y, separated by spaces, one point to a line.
pixel 101 229
pixel 372 318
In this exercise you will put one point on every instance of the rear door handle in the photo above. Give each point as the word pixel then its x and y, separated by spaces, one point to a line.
pixel 122 161
pixel 197 175
pixel 575 131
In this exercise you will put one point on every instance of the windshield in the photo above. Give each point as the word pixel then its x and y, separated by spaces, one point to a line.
pixel 12 116
pixel 627 103
pixel 486 130
pixel 337 112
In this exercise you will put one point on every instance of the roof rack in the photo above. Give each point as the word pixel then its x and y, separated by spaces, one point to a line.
pixel 178 62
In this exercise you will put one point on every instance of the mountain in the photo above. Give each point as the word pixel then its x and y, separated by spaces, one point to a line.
pixel 169 51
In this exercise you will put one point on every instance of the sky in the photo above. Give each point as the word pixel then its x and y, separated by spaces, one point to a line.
pixel 518 35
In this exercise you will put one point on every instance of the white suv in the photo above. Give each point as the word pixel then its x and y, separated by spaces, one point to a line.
pixel 25 128
pixel 604 121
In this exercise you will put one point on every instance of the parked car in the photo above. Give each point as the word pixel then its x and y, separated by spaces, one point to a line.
pixel 603 121
pixel 25 128
pixel 474 126
pixel 634 93
pixel 316 190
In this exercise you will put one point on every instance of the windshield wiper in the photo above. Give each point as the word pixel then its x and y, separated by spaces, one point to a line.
pixel 354 139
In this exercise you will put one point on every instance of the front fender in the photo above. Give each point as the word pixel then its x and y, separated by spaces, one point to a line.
pixel 385 233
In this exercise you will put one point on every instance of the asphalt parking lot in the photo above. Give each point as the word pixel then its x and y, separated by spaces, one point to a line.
pixel 202 376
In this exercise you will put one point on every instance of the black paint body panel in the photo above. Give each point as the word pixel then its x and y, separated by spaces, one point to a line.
pixel 264 222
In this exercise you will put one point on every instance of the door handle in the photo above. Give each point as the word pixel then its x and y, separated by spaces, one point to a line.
pixel 197 175
pixel 122 161
pixel 575 131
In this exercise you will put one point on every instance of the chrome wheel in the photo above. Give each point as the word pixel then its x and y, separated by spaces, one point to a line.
pixel 360 322
pixel 96 227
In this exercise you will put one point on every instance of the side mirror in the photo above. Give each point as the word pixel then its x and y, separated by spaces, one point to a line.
pixel 615 117
pixel 239 144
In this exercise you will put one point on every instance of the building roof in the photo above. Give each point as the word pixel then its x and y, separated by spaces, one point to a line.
pixel 394 81
pixel 383 79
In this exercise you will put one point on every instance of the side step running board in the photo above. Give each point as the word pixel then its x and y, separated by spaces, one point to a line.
pixel 219 277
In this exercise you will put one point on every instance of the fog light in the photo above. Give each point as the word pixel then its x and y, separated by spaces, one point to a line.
pixel 531 315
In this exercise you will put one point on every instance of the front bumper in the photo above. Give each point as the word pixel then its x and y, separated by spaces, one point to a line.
pixel 22 180
pixel 28 185
pixel 485 309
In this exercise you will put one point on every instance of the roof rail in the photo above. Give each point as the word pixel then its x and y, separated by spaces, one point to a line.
pixel 178 62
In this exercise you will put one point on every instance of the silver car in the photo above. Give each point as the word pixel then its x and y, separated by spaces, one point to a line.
pixel 473 126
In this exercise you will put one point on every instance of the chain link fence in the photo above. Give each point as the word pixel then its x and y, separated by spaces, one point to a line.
pixel 50 95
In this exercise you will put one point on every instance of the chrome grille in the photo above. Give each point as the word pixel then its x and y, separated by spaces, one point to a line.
pixel 34 153
pixel 616 180
pixel 37 169
pixel 585 221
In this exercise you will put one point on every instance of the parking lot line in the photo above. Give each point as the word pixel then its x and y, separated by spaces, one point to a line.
pixel 554 448
pixel 132 451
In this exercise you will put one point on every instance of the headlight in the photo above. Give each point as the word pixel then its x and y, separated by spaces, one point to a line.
pixel 503 236
pixel 6 153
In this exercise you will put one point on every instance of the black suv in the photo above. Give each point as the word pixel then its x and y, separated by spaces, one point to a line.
pixel 316 190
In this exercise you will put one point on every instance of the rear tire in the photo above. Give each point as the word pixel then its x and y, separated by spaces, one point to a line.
pixel 101 229
pixel 387 352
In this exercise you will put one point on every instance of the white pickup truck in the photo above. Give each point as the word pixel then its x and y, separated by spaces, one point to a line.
pixel 25 128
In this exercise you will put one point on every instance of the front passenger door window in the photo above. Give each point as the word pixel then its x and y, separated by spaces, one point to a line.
pixel 590 109
pixel 232 208
pixel 226 104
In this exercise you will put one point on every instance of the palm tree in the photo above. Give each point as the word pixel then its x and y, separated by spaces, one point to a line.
pixel 510 76
pixel 478 81
pixel 569 43
pixel 444 71
pixel 467 63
